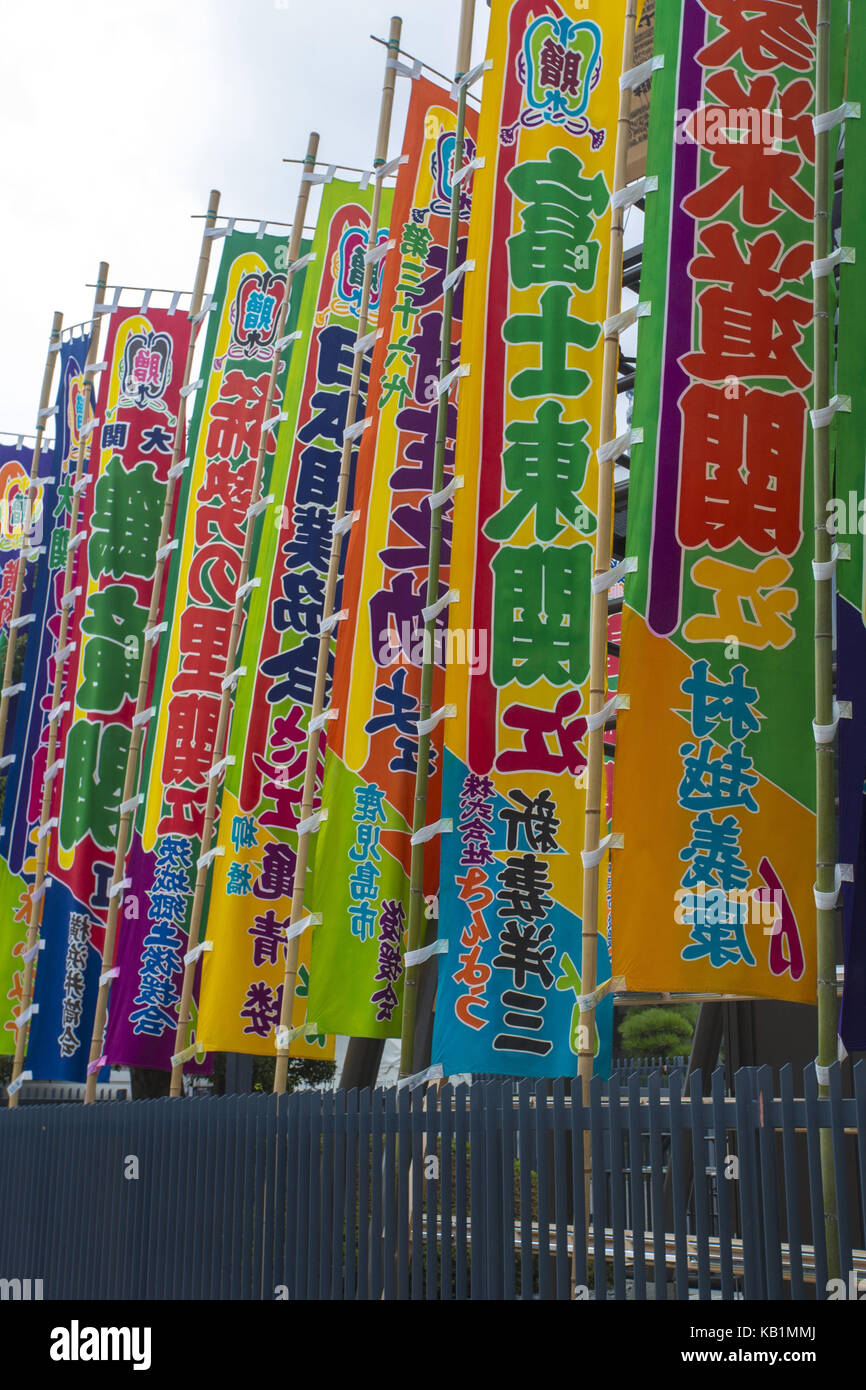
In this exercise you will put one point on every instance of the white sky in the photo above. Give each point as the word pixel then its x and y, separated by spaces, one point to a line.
pixel 119 116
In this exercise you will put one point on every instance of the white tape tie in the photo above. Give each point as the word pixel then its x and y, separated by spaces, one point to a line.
pixel 12 690
pixel 634 192
pixel 143 718
pixel 441 499
pixel 428 832
pixel 591 858
pixel 615 447
pixel 598 721
pixel 7 761
pixel 586 1002
pixel 204 310
pixel 825 733
pixel 822 418
pixel 233 677
pixel 81 484
pixel 471 77
pixel 403 69
pixel 311 255
pixel 193 386
pixel 58 711
pixel 328 624
pixel 826 569
pixel 454 275
pixel 47 828
pixel 433 611
pixel 436 948
pixel 33 552
pixel 256 508
pixel 379 253
pixel 822 1073
pixel 227 761
pixel 151 634
pixel 826 902
pixel 76 540
pixel 352 431
pixel 345 522
pixel 618 323
pixel 312 919
pixel 15 1086
pixel 52 771
pixel 68 599
pixel 248 587
pixel 386 170
pixel 119 887
pixel 108 975
pixel 466 169
pixel 197 951
pixel 827 120
pixel 274 421
pixel 636 77
pixel 30 955
pixel 426 726
pixel 66 651
pixel 41 890
pixel 288 338
pixel 322 719
pixel 433 1073
pixel 167 548
pixel 601 582
pixel 216 232
pixel 131 804
pixel 362 344
pixel 448 381
pixel 22 621
pixel 843 255
pixel 47 412
pixel 311 177
pixel 312 823
pixel 177 468
pixel 205 860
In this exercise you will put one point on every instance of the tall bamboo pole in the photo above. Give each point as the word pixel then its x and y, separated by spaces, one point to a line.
pixel 43 412
pixel 309 791
pixel 227 697
pixel 131 777
pixel 61 655
pixel 428 665
pixel 599 609
pixel 825 753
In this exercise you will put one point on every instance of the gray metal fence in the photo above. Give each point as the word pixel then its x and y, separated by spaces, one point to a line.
pixel 474 1193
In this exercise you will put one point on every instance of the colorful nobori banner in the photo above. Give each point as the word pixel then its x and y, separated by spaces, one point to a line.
pixel 29 719
pixel 528 428
pixel 120 519
pixel 359 880
pixel 253 874
pixel 15 464
pixel 846 522
pixel 715 775
pixel 202 586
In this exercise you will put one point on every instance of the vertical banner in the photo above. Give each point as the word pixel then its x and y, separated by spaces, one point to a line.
pixel 254 869
pixel 847 522
pixel 120 520
pixel 202 587
pixel 359 882
pixel 528 428
pixel 715 776
pixel 15 465
pixel 23 795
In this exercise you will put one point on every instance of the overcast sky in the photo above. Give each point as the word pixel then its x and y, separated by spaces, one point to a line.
pixel 119 116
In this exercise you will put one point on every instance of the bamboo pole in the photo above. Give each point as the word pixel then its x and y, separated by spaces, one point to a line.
pixel 227 697
pixel 44 410
pixel 599 609
pixel 825 753
pixel 309 790
pixel 131 777
pixel 415 929
pixel 61 654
